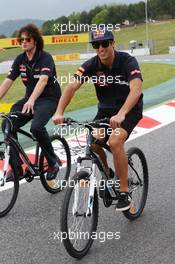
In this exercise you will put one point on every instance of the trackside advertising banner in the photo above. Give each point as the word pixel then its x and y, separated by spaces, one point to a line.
pixel 53 39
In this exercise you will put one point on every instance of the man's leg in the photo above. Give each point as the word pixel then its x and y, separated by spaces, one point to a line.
pixel 17 123
pixel 116 143
pixel 43 111
pixel 99 134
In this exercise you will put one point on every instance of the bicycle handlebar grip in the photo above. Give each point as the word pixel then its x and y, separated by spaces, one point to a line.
pixel 69 120
pixel 98 123
pixel 104 120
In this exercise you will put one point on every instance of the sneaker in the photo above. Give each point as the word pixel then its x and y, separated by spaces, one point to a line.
pixel 52 172
pixel 124 202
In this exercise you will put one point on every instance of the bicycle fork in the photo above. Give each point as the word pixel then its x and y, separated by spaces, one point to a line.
pixel 91 184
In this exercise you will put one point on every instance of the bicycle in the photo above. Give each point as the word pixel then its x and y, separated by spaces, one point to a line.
pixel 9 186
pixel 79 214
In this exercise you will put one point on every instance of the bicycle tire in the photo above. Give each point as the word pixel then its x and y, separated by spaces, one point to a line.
pixel 53 186
pixel 133 213
pixel 6 191
pixel 72 251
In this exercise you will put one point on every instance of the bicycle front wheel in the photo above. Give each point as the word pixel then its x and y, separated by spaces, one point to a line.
pixel 137 182
pixel 9 188
pixel 78 226
pixel 61 149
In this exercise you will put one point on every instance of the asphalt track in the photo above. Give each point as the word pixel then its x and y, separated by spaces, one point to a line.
pixel 27 232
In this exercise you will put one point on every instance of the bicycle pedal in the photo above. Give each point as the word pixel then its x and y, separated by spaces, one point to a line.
pixel 29 178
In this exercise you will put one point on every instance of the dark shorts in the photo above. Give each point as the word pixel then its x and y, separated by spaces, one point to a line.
pixel 131 119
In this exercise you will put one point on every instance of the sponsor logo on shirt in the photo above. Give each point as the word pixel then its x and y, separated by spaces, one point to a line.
pixel 22 67
pixel 36 76
pixel 10 71
pixel 23 74
pixel 79 73
pixel 135 72
pixel 81 69
pixel 45 69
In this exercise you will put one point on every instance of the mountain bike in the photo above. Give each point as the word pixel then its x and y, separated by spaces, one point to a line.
pixel 10 175
pixel 79 214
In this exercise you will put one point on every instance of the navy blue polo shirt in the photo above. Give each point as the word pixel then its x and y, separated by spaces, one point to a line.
pixel 112 85
pixel 41 64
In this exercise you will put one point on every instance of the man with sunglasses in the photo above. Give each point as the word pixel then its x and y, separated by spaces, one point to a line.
pixel 42 92
pixel 117 80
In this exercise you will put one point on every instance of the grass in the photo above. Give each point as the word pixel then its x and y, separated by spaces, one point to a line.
pixel 161 36
pixel 11 53
pixel 153 74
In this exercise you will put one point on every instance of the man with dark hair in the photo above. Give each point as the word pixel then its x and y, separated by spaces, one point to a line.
pixel 38 73
pixel 118 88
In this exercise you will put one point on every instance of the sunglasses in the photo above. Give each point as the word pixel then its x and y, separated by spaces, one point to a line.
pixel 104 44
pixel 28 39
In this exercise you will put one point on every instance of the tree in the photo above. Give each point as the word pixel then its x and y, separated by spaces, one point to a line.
pixel 117 13
pixel 48 27
pixel 14 34
pixel 84 18
pixel 74 18
pixel 2 36
pixel 101 17
pixel 112 14
pixel 92 13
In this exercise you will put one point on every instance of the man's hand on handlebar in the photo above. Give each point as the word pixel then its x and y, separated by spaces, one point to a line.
pixel 58 118
pixel 116 120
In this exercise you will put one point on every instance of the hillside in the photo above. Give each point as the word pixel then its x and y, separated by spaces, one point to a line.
pixel 161 36
pixel 8 27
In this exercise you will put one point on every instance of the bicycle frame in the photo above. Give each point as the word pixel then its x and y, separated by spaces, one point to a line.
pixel 90 155
pixel 14 142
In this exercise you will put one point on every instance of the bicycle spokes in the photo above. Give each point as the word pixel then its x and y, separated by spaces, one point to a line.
pixel 137 182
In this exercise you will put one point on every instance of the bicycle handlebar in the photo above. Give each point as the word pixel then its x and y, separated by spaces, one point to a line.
pixel 95 123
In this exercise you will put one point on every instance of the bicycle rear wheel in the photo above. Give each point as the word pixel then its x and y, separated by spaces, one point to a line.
pixel 76 225
pixel 61 149
pixel 9 188
pixel 138 182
